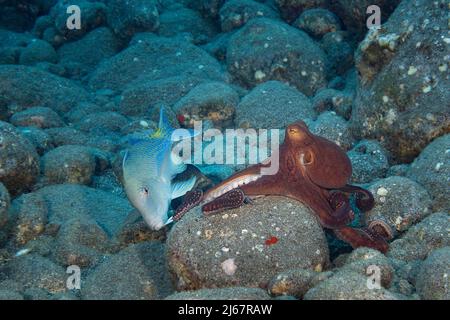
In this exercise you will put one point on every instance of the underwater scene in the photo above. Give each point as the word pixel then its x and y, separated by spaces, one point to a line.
pixel 224 150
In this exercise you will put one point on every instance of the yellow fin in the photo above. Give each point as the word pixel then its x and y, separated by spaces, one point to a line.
pixel 157 134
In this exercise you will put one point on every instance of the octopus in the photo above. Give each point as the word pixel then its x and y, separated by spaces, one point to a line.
pixel 312 170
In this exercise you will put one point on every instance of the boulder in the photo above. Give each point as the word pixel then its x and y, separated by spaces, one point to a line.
pixel 39 117
pixel 126 18
pixel 432 170
pixel 400 202
pixel 19 162
pixel 402 99
pixel 139 273
pixel 150 57
pixel 369 161
pixel 318 22
pixel 235 13
pixel 419 240
pixel 432 281
pixel 213 101
pixel 266 49
pixel 247 246
pixel 24 87
pixel 273 105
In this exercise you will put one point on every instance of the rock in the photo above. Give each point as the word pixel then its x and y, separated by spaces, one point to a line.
pixel 38 51
pixel 339 48
pixel 138 271
pixel 290 9
pixel 5 202
pixel 9 55
pixel 208 8
pixel 333 100
pixel 369 161
pixel 184 21
pixel 32 270
pixel 26 87
pixel 272 105
pixel 318 22
pixel 433 282
pixel 52 68
pixel 333 127
pixel 10 285
pixel 126 18
pixel 253 56
pixel 44 244
pixel 109 211
pixel 296 282
pixel 102 122
pixel 41 24
pixel 18 15
pixel 367 261
pixel 247 246
pixel 81 110
pixel 140 95
pixel 135 230
pixel 80 241
pixel 107 181
pixel 19 162
pixel 80 52
pixel 416 243
pixel 213 101
pixel 266 49
pixel 398 170
pixel 218 46
pixel 403 98
pixel 36 294
pixel 354 16
pixel 39 138
pixel 30 213
pixel 400 202
pixel 150 57
pixel 67 135
pixel 349 285
pixel 68 164
pixel 52 36
pixel 405 277
pixel 235 13
pixel 234 293
pixel 39 117
pixel 93 15
pixel 10 295
pixel 432 170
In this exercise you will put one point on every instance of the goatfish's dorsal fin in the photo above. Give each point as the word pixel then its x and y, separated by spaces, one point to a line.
pixel 164 127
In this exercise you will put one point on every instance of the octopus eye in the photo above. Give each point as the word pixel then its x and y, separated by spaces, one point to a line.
pixel 306 158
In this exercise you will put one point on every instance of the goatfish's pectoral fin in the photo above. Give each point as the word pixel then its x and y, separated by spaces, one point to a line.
pixel 169 221
pixel 179 189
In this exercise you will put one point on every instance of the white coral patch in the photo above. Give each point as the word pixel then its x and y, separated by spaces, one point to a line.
pixel 229 267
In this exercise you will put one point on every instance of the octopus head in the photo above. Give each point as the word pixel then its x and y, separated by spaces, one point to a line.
pixel 298 134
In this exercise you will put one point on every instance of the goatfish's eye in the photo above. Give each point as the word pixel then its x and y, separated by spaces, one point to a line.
pixel 144 192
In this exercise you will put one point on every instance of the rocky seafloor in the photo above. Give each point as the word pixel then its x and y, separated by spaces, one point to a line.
pixel 70 98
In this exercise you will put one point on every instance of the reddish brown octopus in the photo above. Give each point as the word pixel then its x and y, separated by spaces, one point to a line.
pixel 312 170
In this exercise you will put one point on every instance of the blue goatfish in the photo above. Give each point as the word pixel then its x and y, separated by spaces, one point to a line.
pixel 149 166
